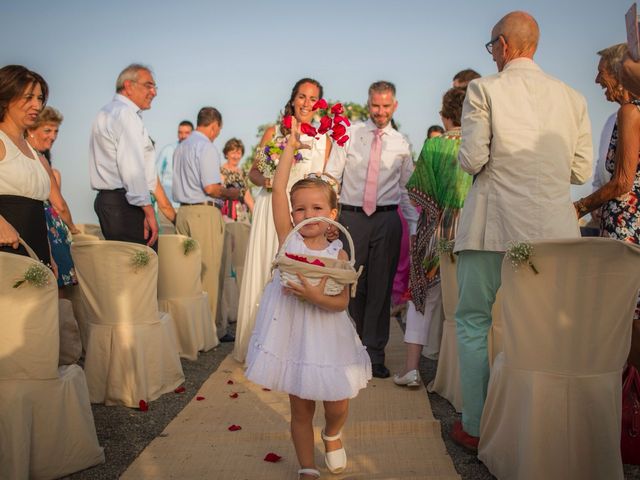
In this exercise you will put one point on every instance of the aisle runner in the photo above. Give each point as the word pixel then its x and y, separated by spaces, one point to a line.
pixel 390 434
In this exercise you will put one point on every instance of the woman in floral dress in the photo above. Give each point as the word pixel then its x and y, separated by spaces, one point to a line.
pixel 60 225
pixel 619 196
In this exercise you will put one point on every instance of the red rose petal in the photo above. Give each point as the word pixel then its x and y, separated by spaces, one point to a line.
pixel 200 398
pixel 286 121
pixel 234 395
pixel 180 389
pixel 229 382
pixel 340 119
pixel 325 125
pixel 343 140
pixel 322 103
pixel 234 428
pixel 143 406
pixel 338 131
pixel 308 130
pixel 337 109
pixel 272 457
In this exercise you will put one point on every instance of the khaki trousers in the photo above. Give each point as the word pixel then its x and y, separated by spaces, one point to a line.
pixel 204 223
pixel 236 240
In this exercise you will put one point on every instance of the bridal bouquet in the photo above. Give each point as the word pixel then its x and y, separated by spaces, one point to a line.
pixel 269 155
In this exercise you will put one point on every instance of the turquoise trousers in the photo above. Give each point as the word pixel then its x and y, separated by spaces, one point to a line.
pixel 478 282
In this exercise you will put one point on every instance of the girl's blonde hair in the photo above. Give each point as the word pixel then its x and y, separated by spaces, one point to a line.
pixel 317 182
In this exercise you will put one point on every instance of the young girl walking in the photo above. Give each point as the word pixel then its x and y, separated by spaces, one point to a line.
pixel 303 342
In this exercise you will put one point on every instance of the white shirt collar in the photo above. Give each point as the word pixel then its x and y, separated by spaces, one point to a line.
pixel 127 101
pixel 372 127
pixel 522 62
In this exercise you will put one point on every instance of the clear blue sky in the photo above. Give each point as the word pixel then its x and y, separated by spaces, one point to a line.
pixel 243 57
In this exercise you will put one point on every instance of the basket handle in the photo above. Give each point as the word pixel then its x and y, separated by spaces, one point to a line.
pixel 283 247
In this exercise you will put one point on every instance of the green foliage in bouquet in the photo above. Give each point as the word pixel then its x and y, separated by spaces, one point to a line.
pixel 36 275
pixel 189 245
pixel 520 253
pixel 140 259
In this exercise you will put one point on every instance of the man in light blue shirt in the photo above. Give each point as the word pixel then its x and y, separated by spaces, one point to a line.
pixel 196 182
pixel 164 162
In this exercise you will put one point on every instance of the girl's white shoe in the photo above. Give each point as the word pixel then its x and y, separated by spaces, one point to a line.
pixel 411 379
pixel 336 460
pixel 309 471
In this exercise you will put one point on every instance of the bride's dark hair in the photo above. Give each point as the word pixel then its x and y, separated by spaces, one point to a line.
pixel 288 108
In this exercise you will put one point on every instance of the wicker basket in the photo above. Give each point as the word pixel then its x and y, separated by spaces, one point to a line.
pixel 340 273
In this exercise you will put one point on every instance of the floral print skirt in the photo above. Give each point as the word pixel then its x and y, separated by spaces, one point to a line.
pixel 60 241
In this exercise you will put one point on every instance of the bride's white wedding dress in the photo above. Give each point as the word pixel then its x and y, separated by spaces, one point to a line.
pixel 263 244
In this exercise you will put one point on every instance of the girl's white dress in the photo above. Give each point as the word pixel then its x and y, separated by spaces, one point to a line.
pixel 263 244
pixel 302 349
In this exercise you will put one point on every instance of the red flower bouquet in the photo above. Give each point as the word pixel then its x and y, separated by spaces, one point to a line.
pixel 332 122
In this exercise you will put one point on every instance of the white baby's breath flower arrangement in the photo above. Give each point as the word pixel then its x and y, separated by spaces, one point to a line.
pixel 140 259
pixel 189 245
pixel 520 253
pixel 445 247
pixel 36 275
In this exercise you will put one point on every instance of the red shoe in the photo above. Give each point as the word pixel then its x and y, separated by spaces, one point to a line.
pixel 462 438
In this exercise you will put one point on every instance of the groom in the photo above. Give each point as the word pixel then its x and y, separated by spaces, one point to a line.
pixel 377 157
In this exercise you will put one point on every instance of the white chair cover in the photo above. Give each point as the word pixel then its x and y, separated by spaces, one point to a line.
pixel 74 294
pixel 46 424
pixel 180 293
pixel 131 351
pixel 70 343
pixel 553 407
pixel 84 237
pixel 446 383
pixel 90 229
pixel 494 337
pixel 236 240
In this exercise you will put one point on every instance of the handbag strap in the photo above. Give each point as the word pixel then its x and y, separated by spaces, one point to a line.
pixel 283 247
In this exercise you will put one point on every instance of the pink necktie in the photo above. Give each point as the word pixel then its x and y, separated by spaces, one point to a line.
pixel 371 184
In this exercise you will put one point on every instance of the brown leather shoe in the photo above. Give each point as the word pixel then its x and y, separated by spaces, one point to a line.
pixel 462 438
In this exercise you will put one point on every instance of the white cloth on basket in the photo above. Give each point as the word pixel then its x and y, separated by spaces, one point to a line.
pixel 301 349
pixel 263 244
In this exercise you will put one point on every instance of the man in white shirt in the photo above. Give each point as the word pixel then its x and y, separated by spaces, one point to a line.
pixel 373 168
pixel 122 161
pixel 526 137
pixel 164 162
pixel 196 182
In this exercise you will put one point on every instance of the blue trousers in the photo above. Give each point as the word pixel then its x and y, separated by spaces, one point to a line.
pixel 479 278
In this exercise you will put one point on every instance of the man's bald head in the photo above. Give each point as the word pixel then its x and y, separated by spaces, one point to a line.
pixel 521 32
pixel 514 36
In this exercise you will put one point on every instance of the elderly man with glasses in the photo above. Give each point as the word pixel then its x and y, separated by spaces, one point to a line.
pixel 526 137
pixel 122 161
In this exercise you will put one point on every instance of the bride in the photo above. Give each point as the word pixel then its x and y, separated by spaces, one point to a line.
pixel 263 241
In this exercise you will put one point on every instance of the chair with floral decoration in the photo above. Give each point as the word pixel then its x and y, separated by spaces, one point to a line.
pixel 46 424
pixel 553 407
pixel 131 351
pixel 180 293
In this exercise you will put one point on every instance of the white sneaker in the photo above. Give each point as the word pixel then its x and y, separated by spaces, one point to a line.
pixel 411 379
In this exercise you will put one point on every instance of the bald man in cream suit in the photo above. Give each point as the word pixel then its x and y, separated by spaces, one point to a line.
pixel 526 137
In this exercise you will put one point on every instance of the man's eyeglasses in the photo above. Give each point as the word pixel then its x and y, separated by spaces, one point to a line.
pixel 147 85
pixel 489 45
